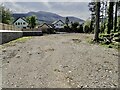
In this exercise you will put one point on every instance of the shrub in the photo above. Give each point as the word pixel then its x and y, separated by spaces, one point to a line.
pixel 80 29
pixel 74 26
pixel 86 26
pixel 48 30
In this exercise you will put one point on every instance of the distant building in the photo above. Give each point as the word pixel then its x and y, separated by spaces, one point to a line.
pixel 44 27
pixel 21 23
pixel 58 24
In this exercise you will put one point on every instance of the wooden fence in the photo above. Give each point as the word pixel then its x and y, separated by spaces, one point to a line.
pixel 8 27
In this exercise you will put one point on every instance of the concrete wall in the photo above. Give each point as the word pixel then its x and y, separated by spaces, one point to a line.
pixel 6 36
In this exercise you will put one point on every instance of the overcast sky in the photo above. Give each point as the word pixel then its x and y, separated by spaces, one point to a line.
pixel 77 9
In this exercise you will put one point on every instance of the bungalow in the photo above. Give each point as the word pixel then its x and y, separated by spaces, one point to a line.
pixel 21 23
pixel 45 27
pixel 58 24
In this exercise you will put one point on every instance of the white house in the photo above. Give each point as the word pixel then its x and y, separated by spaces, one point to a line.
pixel 58 24
pixel 20 23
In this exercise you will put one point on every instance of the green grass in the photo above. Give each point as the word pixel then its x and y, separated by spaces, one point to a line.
pixel 111 45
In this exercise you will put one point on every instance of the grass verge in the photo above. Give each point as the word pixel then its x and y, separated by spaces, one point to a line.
pixel 13 43
pixel 111 45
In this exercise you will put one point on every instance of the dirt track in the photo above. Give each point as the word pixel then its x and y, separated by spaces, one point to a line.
pixel 59 61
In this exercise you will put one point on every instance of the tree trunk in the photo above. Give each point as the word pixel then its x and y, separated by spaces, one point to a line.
pixel 115 22
pixel 96 38
pixel 110 17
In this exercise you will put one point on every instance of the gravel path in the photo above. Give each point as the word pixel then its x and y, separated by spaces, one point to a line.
pixel 59 61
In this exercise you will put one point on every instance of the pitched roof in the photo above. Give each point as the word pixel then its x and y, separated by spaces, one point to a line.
pixel 19 18
pixel 58 21
pixel 46 25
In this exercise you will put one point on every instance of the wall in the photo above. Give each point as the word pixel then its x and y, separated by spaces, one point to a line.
pixel 10 32
pixel 6 36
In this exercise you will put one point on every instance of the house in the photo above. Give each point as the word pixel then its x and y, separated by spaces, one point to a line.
pixel 58 24
pixel 21 23
pixel 45 27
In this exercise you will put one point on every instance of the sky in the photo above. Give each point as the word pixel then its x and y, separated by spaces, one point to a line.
pixel 77 9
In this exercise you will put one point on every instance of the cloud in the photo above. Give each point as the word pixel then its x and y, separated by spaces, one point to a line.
pixel 45 0
pixel 78 9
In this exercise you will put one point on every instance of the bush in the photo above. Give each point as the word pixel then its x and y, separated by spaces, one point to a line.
pixel 102 29
pixel 86 26
pixel 80 29
pixel 74 26
pixel 48 31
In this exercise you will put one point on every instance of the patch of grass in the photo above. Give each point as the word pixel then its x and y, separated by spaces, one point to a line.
pixel 13 43
pixel 111 45
pixel 21 40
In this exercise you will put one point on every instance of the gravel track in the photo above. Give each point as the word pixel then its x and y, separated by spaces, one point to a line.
pixel 59 61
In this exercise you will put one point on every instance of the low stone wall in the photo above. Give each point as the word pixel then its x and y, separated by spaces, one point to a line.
pixel 6 36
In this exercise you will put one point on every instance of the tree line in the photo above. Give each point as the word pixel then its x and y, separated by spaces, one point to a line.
pixel 104 17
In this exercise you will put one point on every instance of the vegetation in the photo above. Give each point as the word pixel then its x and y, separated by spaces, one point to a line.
pixel 86 26
pixel 91 6
pixel 97 30
pixel 106 21
pixel 110 17
pixel 67 21
pixel 32 21
pixel 13 43
pixel 5 15
pixel 74 26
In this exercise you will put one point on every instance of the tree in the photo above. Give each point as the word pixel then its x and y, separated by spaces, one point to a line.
pixel 110 17
pixel 91 6
pixel 117 8
pixel 67 21
pixel 32 21
pixel 115 21
pixel 74 26
pixel 5 15
pixel 97 10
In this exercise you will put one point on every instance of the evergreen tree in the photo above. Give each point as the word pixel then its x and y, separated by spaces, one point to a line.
pixel 97 10
pixel 115 21
pixel 91 6
pixel 110 17
pixel 67 21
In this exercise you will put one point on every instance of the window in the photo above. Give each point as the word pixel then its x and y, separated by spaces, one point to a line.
pixel 23 23
pixel 18 23
pixel 15 23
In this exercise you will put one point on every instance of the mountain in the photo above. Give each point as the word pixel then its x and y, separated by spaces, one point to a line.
pixel 47 16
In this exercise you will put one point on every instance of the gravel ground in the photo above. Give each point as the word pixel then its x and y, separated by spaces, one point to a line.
pixel 59 61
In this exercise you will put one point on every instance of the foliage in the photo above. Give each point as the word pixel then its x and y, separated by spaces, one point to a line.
pixel 86 26
pixel 67 21
pixel 74 26
pixel 5 15
pixel 80 29
pixel 32 21
pixel 118 24
pixel 91 6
